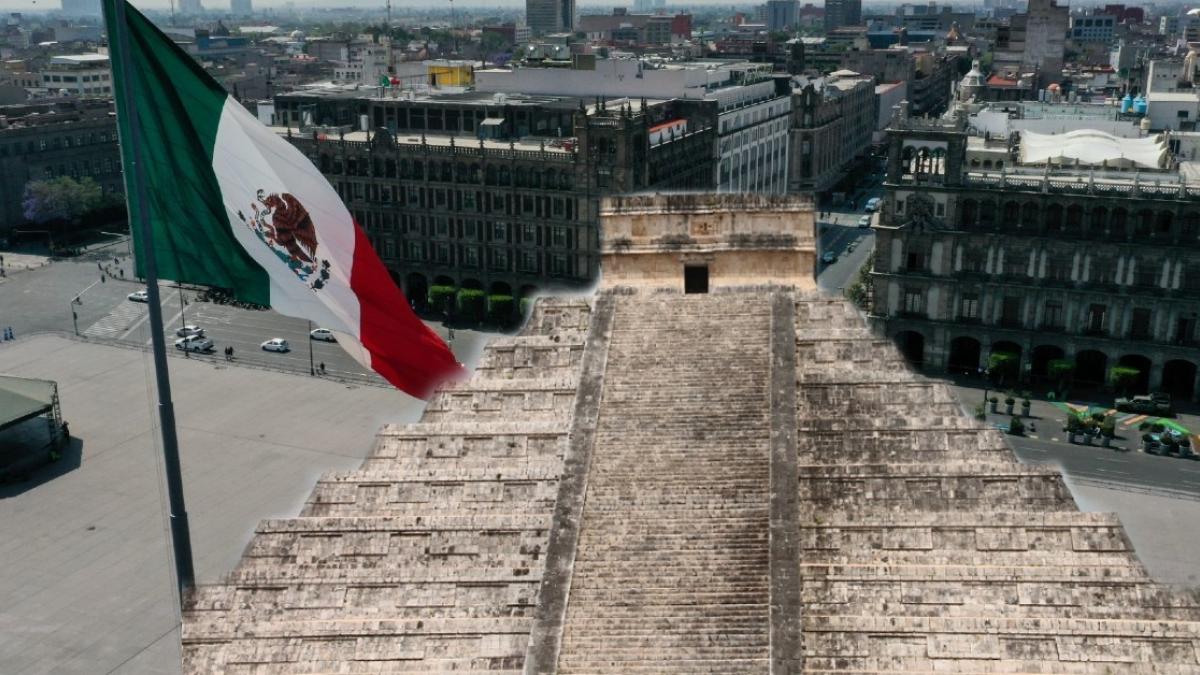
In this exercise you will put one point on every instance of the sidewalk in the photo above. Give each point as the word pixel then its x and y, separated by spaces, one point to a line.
pixel 11 262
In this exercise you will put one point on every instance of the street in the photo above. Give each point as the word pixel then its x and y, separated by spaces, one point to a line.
pixel 838 229
pixel 42 300
pixel 1123 466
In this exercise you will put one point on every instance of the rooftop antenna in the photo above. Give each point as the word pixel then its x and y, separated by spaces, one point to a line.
pixel 391 60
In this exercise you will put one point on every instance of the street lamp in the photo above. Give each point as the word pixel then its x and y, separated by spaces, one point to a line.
pixel 311 371
pixel 984 372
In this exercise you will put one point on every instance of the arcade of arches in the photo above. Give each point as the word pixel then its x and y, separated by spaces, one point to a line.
pixel 1040 362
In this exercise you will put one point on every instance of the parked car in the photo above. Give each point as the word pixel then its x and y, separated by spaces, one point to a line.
pixel 194 343
pixel 1158 403
pixel 139 296
pixel 189 331
pixel 829 257
pixel 322 335
pixel 276 345
pixel 864 221
pixel 873 204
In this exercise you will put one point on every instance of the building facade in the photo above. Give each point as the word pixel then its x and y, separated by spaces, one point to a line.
pixel 831 126
pixel 76 138
pixel 78 75
pixel 550 16
pixel 1086 269
pixel 458 192
pixel 840 13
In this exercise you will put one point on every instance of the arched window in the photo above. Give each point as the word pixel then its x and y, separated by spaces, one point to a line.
pixel 970 211
pixel 1099 222
pixel 1029 214
pixel 1053 220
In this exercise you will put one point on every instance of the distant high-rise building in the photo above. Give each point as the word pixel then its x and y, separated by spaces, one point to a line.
pixel 550 16
pixel 190 7
pixel 781 14
pixel 81 7
pixel 840 13
pixel 241 7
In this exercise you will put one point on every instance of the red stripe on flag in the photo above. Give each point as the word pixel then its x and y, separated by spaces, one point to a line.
pixel 403 349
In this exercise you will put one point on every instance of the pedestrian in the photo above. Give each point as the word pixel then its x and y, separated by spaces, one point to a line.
pixel 66 429
pixel 99 266
pixel 321 367
pixel 102 277
pixel 122 271
pixel 231 353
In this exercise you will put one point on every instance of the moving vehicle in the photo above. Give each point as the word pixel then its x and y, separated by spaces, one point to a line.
pixel 194 343
pixel 1158 403
pixel 829 257
pixel 322 335
pixel 276 345
pixel 139 296
pixel 873 204
pixel 189 331
pixel 864 221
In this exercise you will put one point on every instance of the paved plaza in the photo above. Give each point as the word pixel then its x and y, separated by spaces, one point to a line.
pixel 86 586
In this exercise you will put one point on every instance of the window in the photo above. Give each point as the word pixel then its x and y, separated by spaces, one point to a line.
pixel 1095 319
pixel 529 262
pixel 1139 327
pixel 529 234
pixel 1146 274
pixel 500 232
pixel 1010 311
pixel 498 259
pixel 470 256
pixel 915 261
pixel 558 265
pixel 969 306
pixel 1053 315
pixel 1058 267
pixel 913 301
pixel 559 238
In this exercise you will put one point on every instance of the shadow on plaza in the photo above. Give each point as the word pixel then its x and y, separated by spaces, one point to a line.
pixel 25 459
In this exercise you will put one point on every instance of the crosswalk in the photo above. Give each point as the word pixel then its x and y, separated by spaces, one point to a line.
pixel 114 325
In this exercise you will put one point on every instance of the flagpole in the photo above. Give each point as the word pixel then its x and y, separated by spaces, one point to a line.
pixel 180 540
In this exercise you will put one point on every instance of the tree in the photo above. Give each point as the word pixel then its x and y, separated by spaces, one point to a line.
pixel 1123 377
pixel 60 199
pixel 492 42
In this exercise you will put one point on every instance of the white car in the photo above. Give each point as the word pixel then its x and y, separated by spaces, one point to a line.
pixel 322 335
pixel 276 345
pixel 873 204
pixel 829 257
pixel 864 221
pixel 190 331
pixel 194 343
pixel 139 296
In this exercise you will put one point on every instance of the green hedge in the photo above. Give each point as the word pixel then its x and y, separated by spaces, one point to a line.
pixel 1123 376
pixel 471 304
pixel 1057 368
pixel 440 298
pixel 500 308
pixel 1003 363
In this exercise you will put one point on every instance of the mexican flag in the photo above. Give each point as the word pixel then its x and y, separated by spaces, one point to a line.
pixel 233 205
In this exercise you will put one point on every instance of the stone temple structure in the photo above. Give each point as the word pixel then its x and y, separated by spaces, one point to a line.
pixel 739 479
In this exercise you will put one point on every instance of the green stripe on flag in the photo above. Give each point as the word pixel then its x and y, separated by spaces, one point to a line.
pixel 179 108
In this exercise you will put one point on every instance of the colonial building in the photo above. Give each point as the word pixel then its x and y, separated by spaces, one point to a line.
pixel 832 124
pixel 1079 250
pixel 480 191
pixel 67 137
